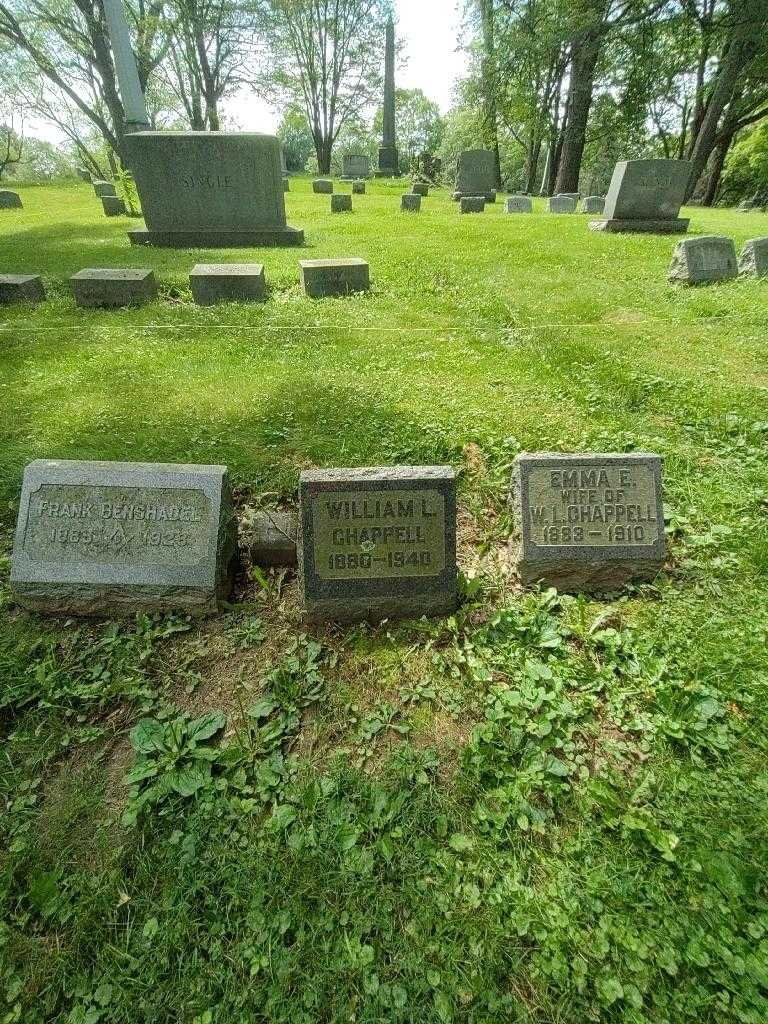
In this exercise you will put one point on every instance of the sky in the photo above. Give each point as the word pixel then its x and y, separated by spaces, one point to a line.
pixel 429 30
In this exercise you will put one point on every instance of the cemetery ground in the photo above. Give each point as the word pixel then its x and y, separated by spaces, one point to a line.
pixel 542 809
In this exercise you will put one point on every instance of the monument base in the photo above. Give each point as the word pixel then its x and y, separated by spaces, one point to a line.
pixel 217 239
pixel 673 226
pixel 489 197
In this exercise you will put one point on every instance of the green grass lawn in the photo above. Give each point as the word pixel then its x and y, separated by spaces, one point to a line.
pixel 544 809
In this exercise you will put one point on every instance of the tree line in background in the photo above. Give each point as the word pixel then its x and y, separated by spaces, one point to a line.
pixel 557 89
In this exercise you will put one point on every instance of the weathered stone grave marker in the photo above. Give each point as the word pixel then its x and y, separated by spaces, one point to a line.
pixel 646 196
pixel 322 187
pixel 588 521
pixel 410 202
pixel 227 282
pixel 519 204
pixel 472 204
pixel 113 206
pixel 476 175
pixel 358 188
pixel 753 261
pixel 10 200
pixel 593 204
pixel 21 288
pixel 703 260
pixel 323 278
pixel 113 287
pixel 377 543
pixel 561 204
pixel 355 166
pixel 104 188
pixel 341 203
pixel 105 538
pixel 270 535
pixel 209 190
pixel 420 188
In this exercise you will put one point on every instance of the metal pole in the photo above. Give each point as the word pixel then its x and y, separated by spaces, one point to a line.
pixel 136 118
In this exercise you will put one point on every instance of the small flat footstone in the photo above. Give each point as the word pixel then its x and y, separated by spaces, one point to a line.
pixel 703 260
pixel 472 204
pixel 753 261
pixel 227 282
pixel 21 288
pixel 116 538
pixel 323 278
pixel 322 186
pixel 10 200
pixel 587 522
pixel 270 535
pixel 410 202
pixel 377 543
pixel 561 204
pixel 519 204
pixel 113 287
pixel 341 203
pixel 104 188
pixel 113 206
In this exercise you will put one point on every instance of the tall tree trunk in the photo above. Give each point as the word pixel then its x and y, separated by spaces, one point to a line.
pixel 323 150
pixel 586 52
pixel 488 76
pixel 716 170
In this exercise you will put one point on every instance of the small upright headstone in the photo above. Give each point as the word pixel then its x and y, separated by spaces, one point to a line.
pixel 104 188
pixel 753 261
pixel 703 259
pixel 355 165
pixel 106 538
pixel 519 204
pixel 21 288
pixel 410 202
pixel 341 203
pixel 358 188
pixel 113 206
pixel 377 543
pixel 592 204
pixel 323 278
pixel 113 287
pixel 561 204
pixel 322 187
pixel 227 282
pixel 590 521
pixel 420 188
pixel 10 200
pixel 472 204
pixel 476 174
pixel 646 196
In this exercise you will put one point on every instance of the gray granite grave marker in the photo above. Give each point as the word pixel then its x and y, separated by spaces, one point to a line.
pixel 341 203
pixel 358 188
pixel 377 543
pixel 753 261
pixel 227 282
pixel 592 204
pixel 104 188
pixel 703 259
pixel 113 287
pixel 322 186
pixel 410 202
pixel 561 204
pixel 113 206
pixel 519 204
pixel 420 188
pixel 270 535
pixel 21 288
pixel 646 196
pixel 476 174
pixel 322 278
pixel 355 165
pixel 472 204
pixel 10 200
pixel 588 521
pixel 106 538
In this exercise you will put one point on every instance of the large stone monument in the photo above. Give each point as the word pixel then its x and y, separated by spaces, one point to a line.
pixel 646 196
pixel 377 543
pixel 355 167
pixel 209 190
pixel 476 175
pixel 106 538
pixel 588 522
pixel 389 164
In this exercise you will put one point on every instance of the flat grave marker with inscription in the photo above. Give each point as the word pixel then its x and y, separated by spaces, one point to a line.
pixel 588 522
pixel 21 288
pixel 341 202
pixel 377 543
pixel 322 186
pixel 227 282
pixel 328 278
pixel 519 204
pixel 561 204
pixel 410 202
pixel 106 538
pixel 111 286
pixel 703 260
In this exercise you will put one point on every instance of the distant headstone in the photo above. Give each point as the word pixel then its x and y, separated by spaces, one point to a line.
pixel 358 188
pixel 113 287
pixel 753 261
pixel 341 203
pixel 576 196
pixel 476 174
pixel 209 190
pixel 270 537
pixel 227 282
pixel 703 259
pixel 104 188
pixel 322 186
pixel 592 204
pixel 10 200
pixel 561 204
pixel 323 278
pixel 410 202
pixel 106 538
pixel 472 204
pixel 646 196
pixel 113 206
pixel 355 165
pixel 590 521
pixel 377 543
pixel 519 204
pixel 21 288
pixel 420 188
